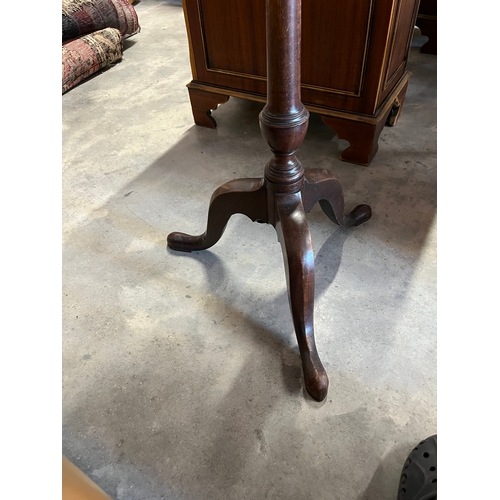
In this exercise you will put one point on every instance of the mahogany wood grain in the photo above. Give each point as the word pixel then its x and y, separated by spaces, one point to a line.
pixel 241 196
pixel 286 192
pixel 202 105
pixel 295 238
pixel 355 54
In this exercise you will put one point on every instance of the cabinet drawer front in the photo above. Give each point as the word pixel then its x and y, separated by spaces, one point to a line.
pixel 335 36
pixel 400 37
pixel 354 52
pixel 335 44
pixel 234 36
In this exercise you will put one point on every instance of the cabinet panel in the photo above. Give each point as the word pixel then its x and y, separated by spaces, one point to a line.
pixel 401 39
pixel 353 64
pixel 335 39
pixel 234 36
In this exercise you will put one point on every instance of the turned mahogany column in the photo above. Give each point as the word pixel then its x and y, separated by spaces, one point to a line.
pixel 287 192
pixel 283 122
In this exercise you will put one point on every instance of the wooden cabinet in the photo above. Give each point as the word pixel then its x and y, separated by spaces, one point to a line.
pixel 354 55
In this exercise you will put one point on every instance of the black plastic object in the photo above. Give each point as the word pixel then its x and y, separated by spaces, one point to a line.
pixel 419 475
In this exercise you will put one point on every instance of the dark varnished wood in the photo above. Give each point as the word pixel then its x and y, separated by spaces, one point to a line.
pixel 354 56
pixel 286 192
pixel 363 135
pixel 241 196
pixel 324 187
pixel 295 238
pixel 202 105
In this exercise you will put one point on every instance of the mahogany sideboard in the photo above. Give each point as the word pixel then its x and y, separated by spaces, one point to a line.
pixel 353 70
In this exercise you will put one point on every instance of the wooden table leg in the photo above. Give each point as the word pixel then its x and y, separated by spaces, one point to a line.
pixel 285 193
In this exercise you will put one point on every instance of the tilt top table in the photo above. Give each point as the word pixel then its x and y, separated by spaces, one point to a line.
pixel 286 192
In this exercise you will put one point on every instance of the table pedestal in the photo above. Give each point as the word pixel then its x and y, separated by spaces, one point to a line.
pixel 286 192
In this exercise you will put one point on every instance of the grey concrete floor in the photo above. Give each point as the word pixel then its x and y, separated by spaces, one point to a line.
pixel 181 373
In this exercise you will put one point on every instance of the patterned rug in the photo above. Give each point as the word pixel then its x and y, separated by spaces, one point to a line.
pixel 80 17
pixel 87 54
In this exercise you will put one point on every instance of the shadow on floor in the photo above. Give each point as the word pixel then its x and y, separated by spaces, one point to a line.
pixel 181 370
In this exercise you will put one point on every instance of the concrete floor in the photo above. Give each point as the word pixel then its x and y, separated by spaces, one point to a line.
pixel 181 373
